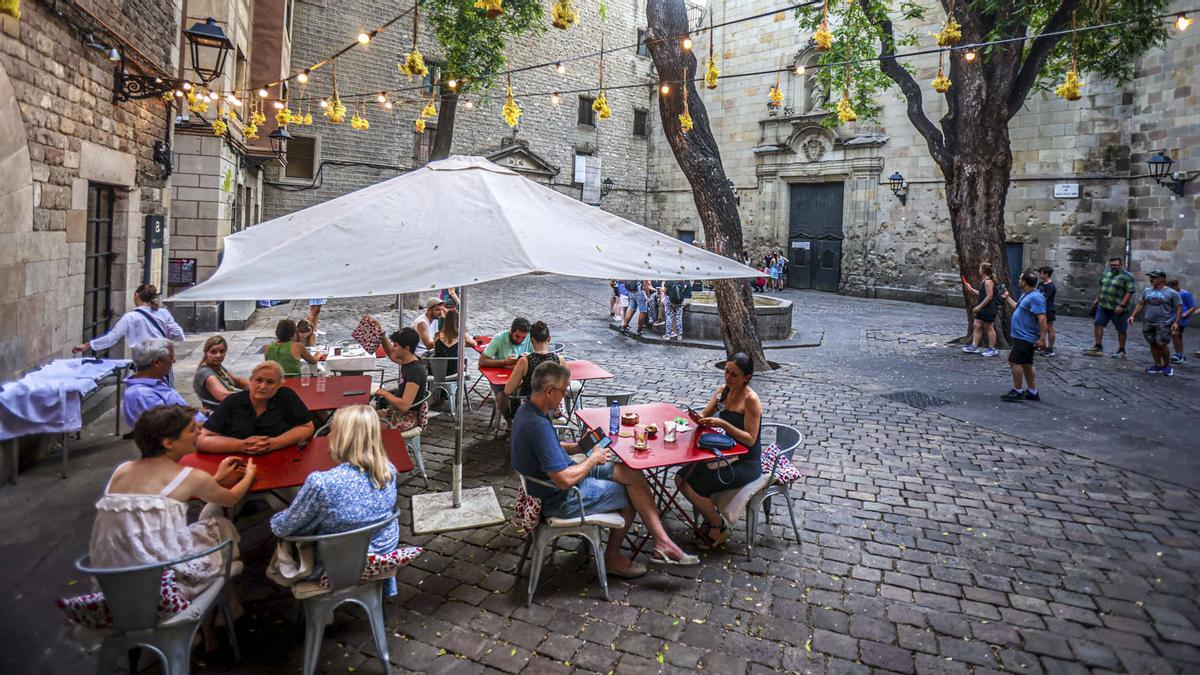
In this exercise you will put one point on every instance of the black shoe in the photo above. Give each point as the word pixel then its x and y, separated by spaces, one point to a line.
pixel 1013 396
pixel 1030 396
pixel 624 330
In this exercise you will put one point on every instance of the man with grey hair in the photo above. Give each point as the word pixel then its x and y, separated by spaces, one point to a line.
pixel 604 486
pixel 147 387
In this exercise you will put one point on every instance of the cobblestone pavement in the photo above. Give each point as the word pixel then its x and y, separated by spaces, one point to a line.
pixel 929 544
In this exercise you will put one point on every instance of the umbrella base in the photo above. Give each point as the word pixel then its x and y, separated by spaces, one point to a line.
pixel 435 512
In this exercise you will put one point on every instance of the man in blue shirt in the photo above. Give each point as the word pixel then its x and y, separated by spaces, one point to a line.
pixel 147 387
pixel 604 486
pixel 1028 333
pixel 1188 308
pixel 502 352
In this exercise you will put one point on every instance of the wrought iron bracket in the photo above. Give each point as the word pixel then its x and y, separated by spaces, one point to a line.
pixel 130 87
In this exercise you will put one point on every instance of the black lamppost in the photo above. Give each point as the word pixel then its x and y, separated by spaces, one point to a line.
pixel 279 139
pixel 899 187
pixel 606 186
pixel 204 39
pixel 1160 170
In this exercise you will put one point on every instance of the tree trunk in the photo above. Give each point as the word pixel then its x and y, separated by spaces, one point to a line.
pixel 700 160
pixel 445 125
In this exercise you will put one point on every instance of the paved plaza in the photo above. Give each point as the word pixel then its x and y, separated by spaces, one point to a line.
pixel 942 531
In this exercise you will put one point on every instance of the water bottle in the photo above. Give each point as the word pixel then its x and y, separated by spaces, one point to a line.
pixel 614 419
pixel 321 378
pixel 304 374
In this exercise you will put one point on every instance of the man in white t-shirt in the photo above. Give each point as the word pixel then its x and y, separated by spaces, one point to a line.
pixel 426 324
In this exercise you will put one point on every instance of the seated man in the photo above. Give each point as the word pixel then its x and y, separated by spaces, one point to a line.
pixel 503 351
pixel 402 412
pixel 147 387
pixel 260 419
pixel 536 452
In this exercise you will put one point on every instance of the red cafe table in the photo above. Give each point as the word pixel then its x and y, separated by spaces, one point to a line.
pixel 656 460
pixel 340 391
pixel 288 467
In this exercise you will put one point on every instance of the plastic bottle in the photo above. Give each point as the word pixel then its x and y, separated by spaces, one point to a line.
pixel 321 378
pixel 614 419
pixel 304 374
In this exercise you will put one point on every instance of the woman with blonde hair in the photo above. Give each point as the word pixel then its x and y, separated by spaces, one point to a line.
pixel 212 382
pixel 987 306
pixel 359 491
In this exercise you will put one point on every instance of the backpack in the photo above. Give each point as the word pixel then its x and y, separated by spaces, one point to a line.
pixel 675 292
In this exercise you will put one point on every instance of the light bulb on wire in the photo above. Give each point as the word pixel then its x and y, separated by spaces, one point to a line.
pixel 452 83
pixel 800 69
pixel 263 93
pixel 664 89
pixel 382 97
pixel 187 86
pixel 1182 22
pixel 324 103
pixel 560 68
pixel 302 78
pixel 178 93
pixel 687 44
pixel 363 38
pixel 970 54
pixel 555 99
pixel 387 105
pixel 279 105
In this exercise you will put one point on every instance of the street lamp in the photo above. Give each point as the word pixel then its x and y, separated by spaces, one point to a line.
pixel 279 139
pixel 899 187
pixel 208 36
pixel 1160 170
pixel 606 186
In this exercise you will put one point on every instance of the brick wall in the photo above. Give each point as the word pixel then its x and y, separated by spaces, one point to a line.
pixel 60 131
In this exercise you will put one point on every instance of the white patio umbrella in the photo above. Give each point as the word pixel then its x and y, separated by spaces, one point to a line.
pixel 456 222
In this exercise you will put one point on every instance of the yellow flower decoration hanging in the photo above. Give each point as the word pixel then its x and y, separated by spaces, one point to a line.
pixel 219 127
pixel 251 131
pixel 949 34
pixel 494 8
pixel 511 111
pixel 1072 87
pixel 307 121
pixel 429 110
pixel 563 15
pixel 419 126
pixel 359 123
pixel 336 111
pixel 258 118
pixel 711 75
pixel 823 37
pixel 11 8
pixel 600 105
pixel 941 83
pixel 845 110
pixel 414 65
pixel 775 96
pixel 685 122
pixel 168 96
pixel 284 117
pixel 195 103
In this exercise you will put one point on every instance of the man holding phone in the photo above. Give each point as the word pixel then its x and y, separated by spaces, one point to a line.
pixel 1028 333
pixel 536 452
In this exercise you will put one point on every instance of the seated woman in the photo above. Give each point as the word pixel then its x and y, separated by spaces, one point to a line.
pixel 519 383
pixel 287 350
pixel 212 382
pixel 445 346
pixel 142 516
pixel 739 412
pixel 402 411
pixel 358 491
pixel 305 334
pixel 259 419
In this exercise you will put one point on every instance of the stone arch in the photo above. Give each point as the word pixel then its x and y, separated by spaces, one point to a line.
pixel 812 142
pixel 806 94
pixel 16 218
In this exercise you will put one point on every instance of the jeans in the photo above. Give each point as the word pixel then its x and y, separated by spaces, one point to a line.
pixel 674 327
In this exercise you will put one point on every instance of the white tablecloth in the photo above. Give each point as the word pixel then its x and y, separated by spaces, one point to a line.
pixel 345 363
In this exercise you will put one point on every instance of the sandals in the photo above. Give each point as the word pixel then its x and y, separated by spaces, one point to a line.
pixel 635 570
pixel 705 542
pixel 658 557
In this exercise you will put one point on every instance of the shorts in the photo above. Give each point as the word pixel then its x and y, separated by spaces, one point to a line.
pixel 601 494
pixel 623 302
pixel 1022 352
pixel 312 302
pixel 1050 314
pixel 643 302
pixel 1103 316
pixel 988 315
pixel 1157 333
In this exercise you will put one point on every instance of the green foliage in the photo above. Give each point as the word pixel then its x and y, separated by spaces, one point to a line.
pixel 1110 52
pixel 472 45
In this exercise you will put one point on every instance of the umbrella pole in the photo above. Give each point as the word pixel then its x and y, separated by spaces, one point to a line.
pixel 458 509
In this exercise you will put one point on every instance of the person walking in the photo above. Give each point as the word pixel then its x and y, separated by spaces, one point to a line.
pixel 1111 303
pixel 1161 320
pixel 987 306
pixel 1028 333
pixel 677 294
pixel 1048 290
pixel 1187 309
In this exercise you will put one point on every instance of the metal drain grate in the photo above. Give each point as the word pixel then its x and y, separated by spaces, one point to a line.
pixel 916 399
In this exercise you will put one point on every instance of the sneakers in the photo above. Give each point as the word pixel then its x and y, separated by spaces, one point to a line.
pixel 1178 358
pixel 970 349
pixel 1032 396
pixel 989 352
pixel 1094 350
pixel 1047 352
pixel 1154 370
pixel 1168 371
pixel 1013 396
pixel 1119 354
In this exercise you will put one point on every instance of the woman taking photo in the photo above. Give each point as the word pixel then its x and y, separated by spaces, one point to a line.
pixel 212 382
pixel 987 306
pixel 142 516
pixel 359 491
pixel 734 408
pixel 287 350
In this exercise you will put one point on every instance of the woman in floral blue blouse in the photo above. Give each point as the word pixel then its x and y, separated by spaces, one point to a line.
pixel 359 491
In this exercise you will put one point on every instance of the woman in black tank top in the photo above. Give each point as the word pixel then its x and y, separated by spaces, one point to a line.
pixel 739 413
pixel 520 383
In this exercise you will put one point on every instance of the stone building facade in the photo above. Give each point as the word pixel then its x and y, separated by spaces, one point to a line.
pixel 821 194
pixel 338 159
pixel 80 173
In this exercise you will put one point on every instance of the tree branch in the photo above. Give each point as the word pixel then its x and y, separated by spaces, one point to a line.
pixel 909 87
pixel 1038 54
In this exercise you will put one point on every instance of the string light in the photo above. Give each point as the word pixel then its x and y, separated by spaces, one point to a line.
pixel 187 86
pixel 382 98
pixel 664 89
pixel 178 93
pixel 302 78
pixel 263 93
pixel 233 100
pixel 970 54
pixel 800 69
pixel 560 68
pixel 687 43
pixel 452 83
pixel 278 105
pixel 324 103
pixel 555 98
pixel 1182 22
pixel 388 105
pixel 363 38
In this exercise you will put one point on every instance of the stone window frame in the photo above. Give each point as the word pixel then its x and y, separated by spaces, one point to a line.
pixel 585 109
pixel 645 115
pixel 316 162
pixel 643 50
